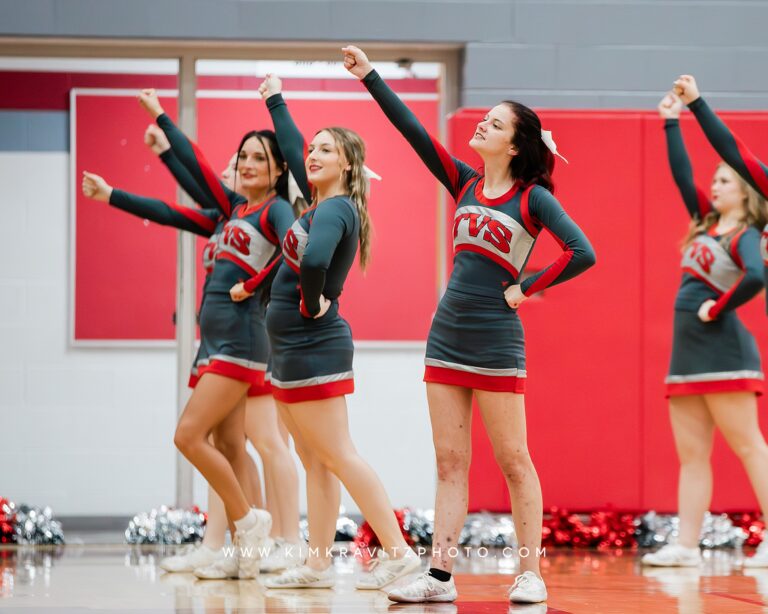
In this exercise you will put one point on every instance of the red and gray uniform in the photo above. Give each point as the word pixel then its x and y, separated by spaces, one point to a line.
pixel 738 156
pixel 717 356
pixel 233 335
pixel 312 358
pixel 476 340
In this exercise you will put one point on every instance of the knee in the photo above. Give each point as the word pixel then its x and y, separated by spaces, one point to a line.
pixel 452 463
pixel 186 438
pixel 515 463
pixel 696 454
pixel 267 446
pixel 233 448
pixel 748 448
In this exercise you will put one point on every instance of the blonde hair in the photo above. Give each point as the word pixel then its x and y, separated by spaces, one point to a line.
pixel 754 205
pixel 352 148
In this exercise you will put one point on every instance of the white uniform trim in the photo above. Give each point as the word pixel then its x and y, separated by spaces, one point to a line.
pixel 719 376
pixel 313 381
pixel 433 362
pixel 241 362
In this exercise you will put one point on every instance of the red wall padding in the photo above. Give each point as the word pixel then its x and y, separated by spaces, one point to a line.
pixel 125 269
pixel 598 347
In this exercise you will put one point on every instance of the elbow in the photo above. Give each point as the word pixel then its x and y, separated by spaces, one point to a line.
pixel 753 280
pixel 587 257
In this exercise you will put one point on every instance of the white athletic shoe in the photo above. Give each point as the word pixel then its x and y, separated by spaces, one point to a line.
pixel 284 556
pixel 423 589
pixel 250 544
pixel 223 568
pixel 528 588
pixel 302 577
pixel 673 555
pixel 760 558
pixel 188 559
pixel 385 570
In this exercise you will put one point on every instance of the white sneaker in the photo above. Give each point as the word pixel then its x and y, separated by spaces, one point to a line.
pixel 224 567
pixel 760 558
pixel 673 555
pixel 250 544
pixel 425 588
pixel 188 559
pixel 385 570
pixel 302 577
pixel 284 556
pixel 528 588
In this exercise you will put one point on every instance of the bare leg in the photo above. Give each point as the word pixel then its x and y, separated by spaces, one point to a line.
pixel 212 400
pixel 735 414
pixel 280 476
pixel 324 429
pixel 450 411
pixel 693 429
pixel 504 417
pixel 323 496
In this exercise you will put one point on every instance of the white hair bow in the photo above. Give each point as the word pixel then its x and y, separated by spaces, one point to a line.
pixel 546 136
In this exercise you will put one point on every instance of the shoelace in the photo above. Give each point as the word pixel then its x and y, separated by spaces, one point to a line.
pixel 374 568
pixel 425 581
pixel 522 581
pixel 297 574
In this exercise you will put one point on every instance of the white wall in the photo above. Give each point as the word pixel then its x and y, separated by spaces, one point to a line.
pixel 89 432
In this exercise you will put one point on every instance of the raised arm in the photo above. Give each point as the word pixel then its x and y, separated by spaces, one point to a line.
pixel 728 146
pixel 451 172
pixel 745 250
pixel 190 155
pixel 289 139
pixel 694 198
pixel 578 254
pixel 198 221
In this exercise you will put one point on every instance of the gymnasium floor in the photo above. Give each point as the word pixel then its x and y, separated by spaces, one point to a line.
pixel 92 578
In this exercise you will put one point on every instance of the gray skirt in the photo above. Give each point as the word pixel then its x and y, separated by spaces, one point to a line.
pixel 711 357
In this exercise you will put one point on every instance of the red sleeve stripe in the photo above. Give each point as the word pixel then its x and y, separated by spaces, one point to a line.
pixel 255 281
pixel 212 180
pixel 552 272
pixel 734 248
pixel 754 167
pixel 266 227
pixel 528 221
pixel 717 308
pixel 448 166
pixel 705 206
pixel 203 221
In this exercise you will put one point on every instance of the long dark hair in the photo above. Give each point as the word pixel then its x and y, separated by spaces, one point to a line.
pixel 534 162
pixel 281 185
pixel 281 188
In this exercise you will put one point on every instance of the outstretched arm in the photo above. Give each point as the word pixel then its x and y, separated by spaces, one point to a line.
pixel 191 157
pixel 728 146
pixel 289 139
pixel 451 172
pixel 201 222
pixel 694 198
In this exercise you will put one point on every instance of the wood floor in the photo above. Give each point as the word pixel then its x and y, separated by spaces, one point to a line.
pixel 96 578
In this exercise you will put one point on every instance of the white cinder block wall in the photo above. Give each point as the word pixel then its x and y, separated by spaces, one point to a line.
pixel 90 431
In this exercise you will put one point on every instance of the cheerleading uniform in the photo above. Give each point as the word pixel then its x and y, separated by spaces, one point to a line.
pixel 233 336
pixel 721 355
pixel 312 358
pixel 730 148
pixel 476 340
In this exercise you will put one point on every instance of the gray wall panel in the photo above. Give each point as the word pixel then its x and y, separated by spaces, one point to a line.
pixel 521 66
pixel 645 23
pixel 572 53
pixel 34 131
